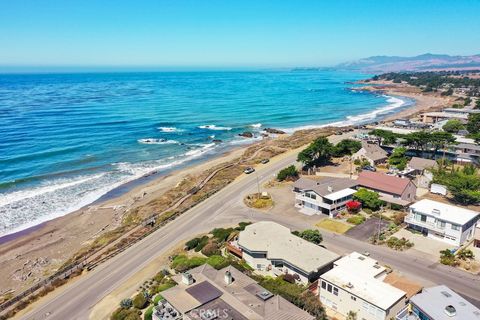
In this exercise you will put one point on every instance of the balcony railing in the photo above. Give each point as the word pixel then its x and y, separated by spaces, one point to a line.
pixel 425 224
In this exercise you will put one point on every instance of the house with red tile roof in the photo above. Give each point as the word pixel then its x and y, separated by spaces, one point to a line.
pixel 401 191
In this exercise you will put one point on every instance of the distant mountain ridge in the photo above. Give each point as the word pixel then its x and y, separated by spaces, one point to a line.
pixel 423 62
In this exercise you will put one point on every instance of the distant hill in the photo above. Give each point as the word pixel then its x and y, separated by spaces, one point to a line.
pixel 424 62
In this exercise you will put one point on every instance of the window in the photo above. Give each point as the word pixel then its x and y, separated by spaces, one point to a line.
pixel 329 288
pixel 353 298
pixel 455 227
pixel 423 218
pixel 324 285
pixel 335 291
pixel 441 224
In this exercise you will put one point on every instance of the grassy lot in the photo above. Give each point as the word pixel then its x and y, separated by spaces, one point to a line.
pixel 333 225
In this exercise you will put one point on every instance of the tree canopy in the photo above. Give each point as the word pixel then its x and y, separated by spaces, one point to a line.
pixel 473 124
pixel 385 136
pixel 369 199
pixel 318 152
pixel 463 184
pixel 398 158
pixel 453 126
pixel 346 147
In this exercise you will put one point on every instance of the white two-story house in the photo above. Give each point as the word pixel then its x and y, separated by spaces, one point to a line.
pixel 441 221
pixel 357 283
pixel 323 196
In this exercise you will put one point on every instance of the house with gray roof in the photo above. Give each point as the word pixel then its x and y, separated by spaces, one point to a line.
pixel 439 303
pixel 371 152
pixel 205 293
pixel 271 249
pixel 328 195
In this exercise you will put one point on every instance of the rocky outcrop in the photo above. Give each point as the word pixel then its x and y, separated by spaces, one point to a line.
pixel 246 134
pixel 273 131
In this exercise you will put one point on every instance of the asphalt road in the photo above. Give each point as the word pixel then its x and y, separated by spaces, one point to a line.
pixel 76 300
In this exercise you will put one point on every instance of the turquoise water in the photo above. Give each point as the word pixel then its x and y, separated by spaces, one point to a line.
pixel 67 139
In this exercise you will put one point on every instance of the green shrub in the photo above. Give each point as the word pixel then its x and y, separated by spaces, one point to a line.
pixel 157 299
pixel 288 173
pixel 221 234
pixel 465 254
pixel 201 243
pixel 125 314
pixel 126 303
pixel 159 276
pixel 192 244
pixel 399 244
pixel 356 220
pixel 447 258
pixel 367 210
pixel 369 199
pixel 139 301
pixel 182 263
pixel 148 313
pixel 218 262
pixel 242 225
pixel 313 236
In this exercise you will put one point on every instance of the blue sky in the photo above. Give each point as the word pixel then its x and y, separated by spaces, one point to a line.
pixel 234 34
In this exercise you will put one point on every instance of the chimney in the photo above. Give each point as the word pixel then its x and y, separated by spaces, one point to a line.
pixel 228 277
pixel 187 278
pixel 330 189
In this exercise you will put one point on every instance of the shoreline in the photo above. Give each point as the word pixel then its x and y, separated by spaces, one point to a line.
pixel 374 115
pixel 47 240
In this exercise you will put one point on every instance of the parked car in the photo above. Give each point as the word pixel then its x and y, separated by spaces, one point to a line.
pixel 249 170
pixel 264 161
pixel 369 168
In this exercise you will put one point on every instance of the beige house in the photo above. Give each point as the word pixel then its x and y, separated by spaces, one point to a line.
pixel 356 283
pixel 371 152
pixel 271 248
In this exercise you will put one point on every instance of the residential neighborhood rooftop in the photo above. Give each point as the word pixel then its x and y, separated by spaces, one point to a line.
pixel 417 163
pixel 279 243
pixel 363 277
pixel 242 298
pixel 325 186
pixel 374 151
pixel 382 182
pixel 444 211
pixel 442 303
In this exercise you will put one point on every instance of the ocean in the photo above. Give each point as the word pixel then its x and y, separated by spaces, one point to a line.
pixel 68 139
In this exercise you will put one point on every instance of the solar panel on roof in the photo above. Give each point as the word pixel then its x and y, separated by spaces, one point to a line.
pixel 204 292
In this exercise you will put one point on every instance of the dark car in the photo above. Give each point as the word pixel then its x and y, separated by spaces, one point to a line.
pixel 264 161
pixel 369 168
pixel 249 170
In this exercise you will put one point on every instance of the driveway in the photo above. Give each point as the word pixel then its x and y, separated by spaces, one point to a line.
pixel 367 229
pixel 425 245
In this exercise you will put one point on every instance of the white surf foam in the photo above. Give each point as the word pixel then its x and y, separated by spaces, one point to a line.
pixel 394 103
pixel 23 209
pixel 256 125
pixel 214 127
pixel 169 129
pixel 156 141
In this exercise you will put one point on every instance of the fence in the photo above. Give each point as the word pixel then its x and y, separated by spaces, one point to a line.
pixel 70 269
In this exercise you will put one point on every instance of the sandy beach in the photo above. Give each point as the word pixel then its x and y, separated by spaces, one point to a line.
pixel 40 251
pixel 431 101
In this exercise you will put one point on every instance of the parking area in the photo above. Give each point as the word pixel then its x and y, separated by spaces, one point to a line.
pixel 427 246
pixel 367 229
